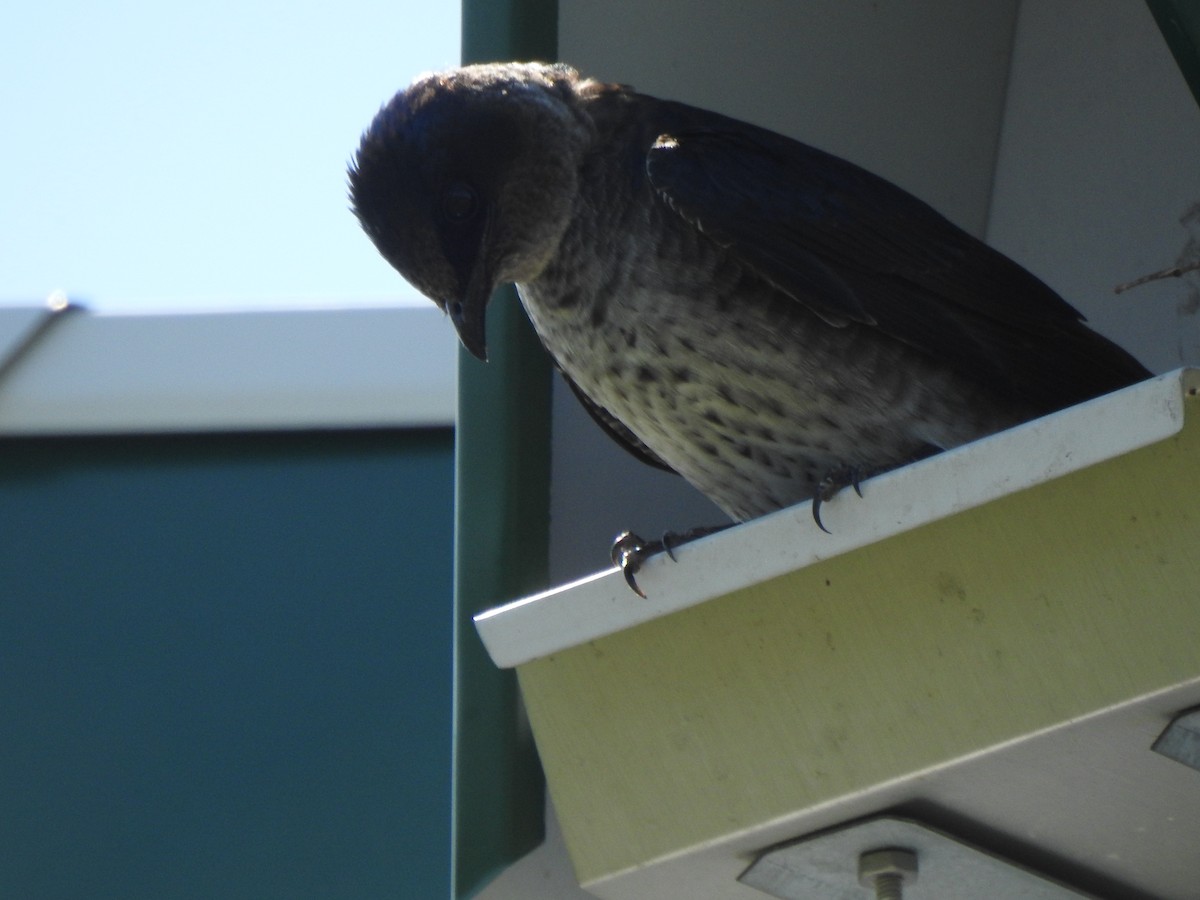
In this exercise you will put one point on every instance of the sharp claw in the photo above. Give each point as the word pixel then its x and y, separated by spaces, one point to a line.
pixel 668 544
pixel 830 485
pixel 816 512
pixel 628 572
pixel 627 553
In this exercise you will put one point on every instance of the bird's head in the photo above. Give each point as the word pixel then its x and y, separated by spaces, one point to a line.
pixel 466 180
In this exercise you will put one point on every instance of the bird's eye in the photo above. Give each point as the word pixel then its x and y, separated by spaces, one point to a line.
pixel 459 203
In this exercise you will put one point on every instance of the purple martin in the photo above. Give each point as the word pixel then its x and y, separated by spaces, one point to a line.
pixel 753 313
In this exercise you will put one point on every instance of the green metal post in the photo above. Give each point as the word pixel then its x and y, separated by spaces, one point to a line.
pixel 501 525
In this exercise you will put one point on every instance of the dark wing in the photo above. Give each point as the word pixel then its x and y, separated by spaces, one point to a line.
pixel 617 431
pixel 853 247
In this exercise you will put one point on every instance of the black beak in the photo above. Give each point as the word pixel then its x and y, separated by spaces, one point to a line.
pixel 468 311
pixel 469 317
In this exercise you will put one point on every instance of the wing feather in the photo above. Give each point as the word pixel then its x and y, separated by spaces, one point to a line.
pixel 855 248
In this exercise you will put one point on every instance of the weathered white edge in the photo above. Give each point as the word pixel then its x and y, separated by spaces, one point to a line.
pixel 895 502
pixel 290 369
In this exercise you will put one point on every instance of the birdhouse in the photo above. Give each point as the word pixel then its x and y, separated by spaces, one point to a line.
pixel 975 645
pixel 987 645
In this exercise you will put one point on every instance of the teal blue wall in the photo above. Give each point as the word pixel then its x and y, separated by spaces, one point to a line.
pixel 225 666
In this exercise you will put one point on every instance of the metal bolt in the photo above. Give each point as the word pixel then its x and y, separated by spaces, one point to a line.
pixel 887 870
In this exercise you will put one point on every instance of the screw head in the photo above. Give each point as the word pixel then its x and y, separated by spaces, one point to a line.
pixel 887 861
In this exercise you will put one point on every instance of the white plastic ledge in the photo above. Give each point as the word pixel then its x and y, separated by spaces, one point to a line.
pixel 80 372
pixel 895 502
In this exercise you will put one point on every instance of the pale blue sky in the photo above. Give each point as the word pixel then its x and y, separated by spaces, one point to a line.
pixel 188 155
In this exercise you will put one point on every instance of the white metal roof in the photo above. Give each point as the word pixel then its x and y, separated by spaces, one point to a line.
pixel 897 501
pixel 72 371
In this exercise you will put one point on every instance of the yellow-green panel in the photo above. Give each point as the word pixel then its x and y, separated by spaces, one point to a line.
pixel 941 642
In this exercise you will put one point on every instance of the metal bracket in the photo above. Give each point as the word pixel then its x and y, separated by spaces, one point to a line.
pixel 826 867
pixel 1181 739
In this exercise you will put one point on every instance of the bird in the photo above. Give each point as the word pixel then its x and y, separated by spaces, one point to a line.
pixel 768 320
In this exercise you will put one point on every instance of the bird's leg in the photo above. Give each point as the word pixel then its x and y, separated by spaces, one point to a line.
pixel 831 484
pixel 630 550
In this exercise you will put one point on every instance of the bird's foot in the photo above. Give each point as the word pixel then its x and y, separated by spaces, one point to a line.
pixel 630 550
pixel 831 484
